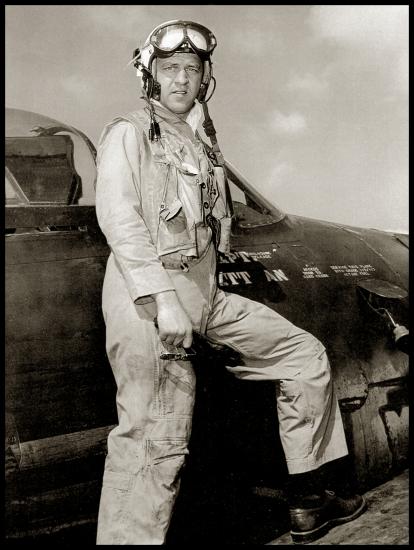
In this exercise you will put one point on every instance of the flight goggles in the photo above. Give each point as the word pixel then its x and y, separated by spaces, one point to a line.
pixel 171 36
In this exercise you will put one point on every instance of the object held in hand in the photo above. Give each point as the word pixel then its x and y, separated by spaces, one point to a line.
pixel 178 356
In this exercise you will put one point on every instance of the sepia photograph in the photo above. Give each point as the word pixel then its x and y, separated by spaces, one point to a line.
pixel 206 274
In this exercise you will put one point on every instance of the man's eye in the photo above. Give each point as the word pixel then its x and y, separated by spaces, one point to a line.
pixel 193 69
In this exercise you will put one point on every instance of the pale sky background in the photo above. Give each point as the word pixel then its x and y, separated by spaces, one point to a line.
pixel 311 102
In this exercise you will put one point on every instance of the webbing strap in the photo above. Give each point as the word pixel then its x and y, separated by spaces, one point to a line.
pixel 211 133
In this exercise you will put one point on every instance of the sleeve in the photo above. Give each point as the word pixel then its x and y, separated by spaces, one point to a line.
pixel 119 213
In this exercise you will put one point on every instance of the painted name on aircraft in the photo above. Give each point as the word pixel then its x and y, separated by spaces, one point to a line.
pixel 243 277
pixel 233 257
pixel 308 271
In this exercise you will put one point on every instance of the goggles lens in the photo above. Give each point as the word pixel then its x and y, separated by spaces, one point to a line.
pixel 171 37
pixel 197 39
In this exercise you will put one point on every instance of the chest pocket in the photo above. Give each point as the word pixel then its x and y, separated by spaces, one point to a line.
pixel 186 196
pixel 175 231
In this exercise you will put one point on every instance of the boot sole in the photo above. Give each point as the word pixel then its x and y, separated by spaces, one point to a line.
pixel 304 537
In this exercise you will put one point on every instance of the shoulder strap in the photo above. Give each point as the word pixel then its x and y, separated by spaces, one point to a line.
pixel 132 117
pixel 211 133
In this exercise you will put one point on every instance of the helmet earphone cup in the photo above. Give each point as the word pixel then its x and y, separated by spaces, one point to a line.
pixel 205 81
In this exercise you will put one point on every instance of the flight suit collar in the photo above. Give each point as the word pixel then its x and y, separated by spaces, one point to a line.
pixel 189 126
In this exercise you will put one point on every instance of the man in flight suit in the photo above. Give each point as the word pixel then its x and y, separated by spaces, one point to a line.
pixel 163 206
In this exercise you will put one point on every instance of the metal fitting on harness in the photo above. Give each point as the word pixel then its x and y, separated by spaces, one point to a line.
pixel 184 266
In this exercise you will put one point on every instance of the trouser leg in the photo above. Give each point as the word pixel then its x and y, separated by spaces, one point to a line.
pixel 272 348
pixel 147 449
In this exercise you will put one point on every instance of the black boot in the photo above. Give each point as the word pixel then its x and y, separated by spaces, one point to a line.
pixel 305 489
pixel 340 477
pixel 314 510
pixel 309 524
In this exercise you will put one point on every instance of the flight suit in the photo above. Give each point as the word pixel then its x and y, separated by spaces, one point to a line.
pixel 155 397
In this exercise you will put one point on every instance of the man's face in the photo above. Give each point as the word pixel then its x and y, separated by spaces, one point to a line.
pixel 180 78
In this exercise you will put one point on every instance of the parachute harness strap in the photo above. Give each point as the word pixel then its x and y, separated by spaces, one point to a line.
pixel 211 133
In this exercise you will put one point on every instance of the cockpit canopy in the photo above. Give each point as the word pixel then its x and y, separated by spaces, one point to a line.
pixel 47 162
pixel 51 163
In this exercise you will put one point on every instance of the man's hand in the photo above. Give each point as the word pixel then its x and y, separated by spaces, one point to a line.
pixel 174 325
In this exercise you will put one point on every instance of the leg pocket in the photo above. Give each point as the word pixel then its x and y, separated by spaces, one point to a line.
pixel 174 386
pixel 166 454
pixel 295 419
pixel 118 480
pixel 165 457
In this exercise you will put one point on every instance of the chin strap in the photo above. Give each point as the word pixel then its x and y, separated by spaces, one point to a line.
pixel 211 133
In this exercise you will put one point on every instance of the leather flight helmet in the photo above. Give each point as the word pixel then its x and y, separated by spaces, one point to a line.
pixel 167 39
